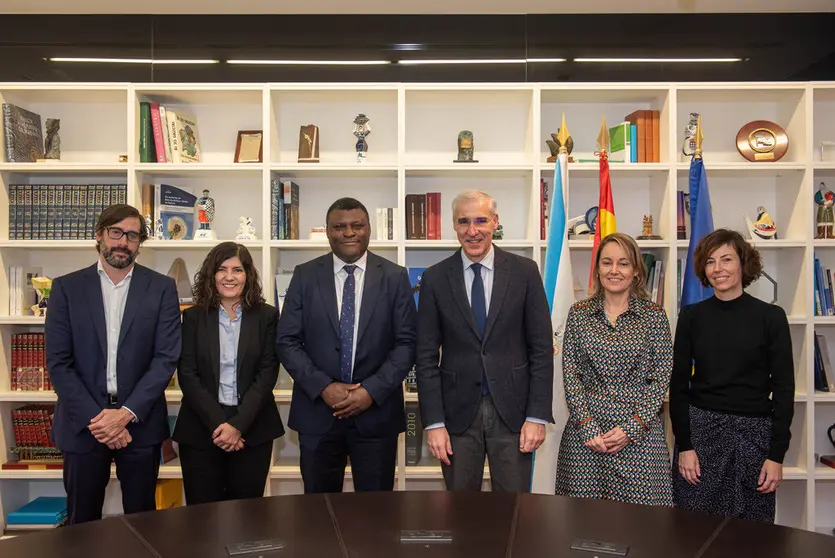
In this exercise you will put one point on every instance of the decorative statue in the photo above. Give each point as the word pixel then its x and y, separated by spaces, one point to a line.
pixel 43 286
pixel 646 232
pixel 149 225
pixel 205 216
pixel 554 145
pixel 825 222
pixel 246 230
pixel 52 143
pixel 159 234
pixel 688 148
pixel 465 147
pixel 362 129
pixel 764 227
pixel 498 234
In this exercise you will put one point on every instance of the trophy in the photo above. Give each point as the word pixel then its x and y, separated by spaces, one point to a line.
pixel 825 222
pixel 42 286
pixel 246 230
pixel 465 148
pixel 309 144
pixel 52 144
pixel 361 130
pixel 205 216
pixel 764 227
pixel 646 231
pixel 762 140
pixel 554 145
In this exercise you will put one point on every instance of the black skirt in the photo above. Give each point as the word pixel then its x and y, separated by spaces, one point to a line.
pixel 731 451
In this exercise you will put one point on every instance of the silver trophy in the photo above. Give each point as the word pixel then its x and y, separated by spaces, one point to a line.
pixel 205 216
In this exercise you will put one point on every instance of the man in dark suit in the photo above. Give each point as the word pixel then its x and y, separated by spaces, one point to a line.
pixel 347 338
pixel 489 391
pixel 112 344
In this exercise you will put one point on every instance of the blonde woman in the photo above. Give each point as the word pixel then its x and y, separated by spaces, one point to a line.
pixel 617 361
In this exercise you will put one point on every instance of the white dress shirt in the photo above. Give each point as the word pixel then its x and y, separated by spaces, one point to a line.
pixel 339 277
pixel 114 298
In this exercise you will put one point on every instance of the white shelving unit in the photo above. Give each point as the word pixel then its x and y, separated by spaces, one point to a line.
pixel 411 150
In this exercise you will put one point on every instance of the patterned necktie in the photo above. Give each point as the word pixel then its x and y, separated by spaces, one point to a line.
pixel 346 325
pixel 479 307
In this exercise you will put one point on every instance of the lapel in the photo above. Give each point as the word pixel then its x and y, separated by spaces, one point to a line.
pixel 455 274
pixel 210 319
pixel 249 331
pixel 139 283
pixel 501 278
pixel 370 291
pixel 92 289
pixel 327 290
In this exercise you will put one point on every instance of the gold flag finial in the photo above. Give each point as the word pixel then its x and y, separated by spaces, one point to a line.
pixel 697 153
pixel 563 135
pixel 603 137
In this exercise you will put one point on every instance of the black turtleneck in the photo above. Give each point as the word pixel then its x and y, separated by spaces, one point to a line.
pixel 743 354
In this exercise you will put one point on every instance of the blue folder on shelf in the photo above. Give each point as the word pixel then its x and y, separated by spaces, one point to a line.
pixel 44 510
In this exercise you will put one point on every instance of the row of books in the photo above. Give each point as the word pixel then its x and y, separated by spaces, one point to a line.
pixel 386 226
pixel 824 377
pixel 32 426
pixel 284 210
pixel 28 372
pixel 22 294
pixel 824 305
pixel 646 135
pixel 423 216
pixel 655 277
pixel 171 211
pixel 167 135
pixel 59 211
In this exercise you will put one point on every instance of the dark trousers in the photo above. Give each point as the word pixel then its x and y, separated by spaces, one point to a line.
pixel 510 469
pixel 86 476
pixel 213 475
pixel 324 457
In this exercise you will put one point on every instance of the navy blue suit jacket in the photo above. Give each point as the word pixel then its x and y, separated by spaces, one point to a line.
pixel 308 344
pixel 76 355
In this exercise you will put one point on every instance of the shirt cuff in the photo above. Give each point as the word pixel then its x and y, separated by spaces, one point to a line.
pixel 435 425
pixel 536 420
pixel 135 419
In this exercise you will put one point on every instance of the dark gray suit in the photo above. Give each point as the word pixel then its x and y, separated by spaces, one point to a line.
pixel 515 355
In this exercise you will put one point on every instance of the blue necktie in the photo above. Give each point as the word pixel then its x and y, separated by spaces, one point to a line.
pixel 479 307
pixel 346 325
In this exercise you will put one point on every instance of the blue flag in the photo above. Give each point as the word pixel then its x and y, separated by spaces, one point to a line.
pixel 701 224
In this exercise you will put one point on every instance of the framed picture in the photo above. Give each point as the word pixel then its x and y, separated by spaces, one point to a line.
pixel 249 148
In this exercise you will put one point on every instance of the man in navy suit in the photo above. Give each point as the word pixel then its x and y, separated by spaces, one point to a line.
pixel 347 337
pixel 112 345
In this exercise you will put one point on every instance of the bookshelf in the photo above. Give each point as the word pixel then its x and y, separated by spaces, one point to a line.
pixel 411 149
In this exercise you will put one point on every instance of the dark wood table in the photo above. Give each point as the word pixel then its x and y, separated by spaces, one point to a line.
pixel 369 525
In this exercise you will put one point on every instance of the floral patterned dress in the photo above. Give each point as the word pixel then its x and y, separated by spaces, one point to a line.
pixel 616 375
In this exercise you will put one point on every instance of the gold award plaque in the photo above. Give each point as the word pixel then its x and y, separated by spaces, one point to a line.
pixel 762 140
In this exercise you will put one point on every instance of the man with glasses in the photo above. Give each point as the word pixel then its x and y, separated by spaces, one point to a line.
pixel 112 345
pixel 485 363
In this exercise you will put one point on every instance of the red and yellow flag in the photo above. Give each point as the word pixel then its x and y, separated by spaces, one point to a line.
pixel 606 224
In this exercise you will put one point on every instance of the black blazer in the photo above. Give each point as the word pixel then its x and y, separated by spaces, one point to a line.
pixel 516 353
pixel 199 375
pixel 308 344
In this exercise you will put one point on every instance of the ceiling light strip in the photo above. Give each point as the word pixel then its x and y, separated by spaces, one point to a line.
pixel 310 62
pixel 130 61
pixel 656 60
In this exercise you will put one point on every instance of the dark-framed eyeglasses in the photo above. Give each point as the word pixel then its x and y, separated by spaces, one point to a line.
pixel 116 233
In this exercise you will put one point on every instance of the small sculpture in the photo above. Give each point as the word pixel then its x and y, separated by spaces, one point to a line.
pixel 52 144
pixel 646 232
pixel 554 145
pixel 149 225
pixel 764 227
pixel 498 234
pixel 159 234
pixel 309 144
pixel 361 130
pixel 205 216
pixel 688 148
pixel 825 222
pixel 43 286
pixel 246 230
pixel 465 147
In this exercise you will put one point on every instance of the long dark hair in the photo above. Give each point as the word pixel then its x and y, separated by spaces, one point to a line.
pixel 205 290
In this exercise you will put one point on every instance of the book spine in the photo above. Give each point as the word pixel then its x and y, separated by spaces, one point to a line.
pixel 9 136
pixel 156 126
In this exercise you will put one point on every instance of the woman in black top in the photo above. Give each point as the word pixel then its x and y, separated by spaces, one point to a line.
pixel 732 351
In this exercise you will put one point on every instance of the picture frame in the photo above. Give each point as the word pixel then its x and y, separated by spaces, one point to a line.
pixel 250 146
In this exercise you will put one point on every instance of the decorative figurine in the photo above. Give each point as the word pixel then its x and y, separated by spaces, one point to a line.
pixel 688 148
pixel 149 225
pixel 825 222
pixel 764 227
pixel 465 148
pixel 361 130
pixel 246 230
pixel 205 216
pixel 646 232
pixel 43 286
pixel 52 144
pixel 159 234
pixel 554 145
pixel 498 234
pixel 309 144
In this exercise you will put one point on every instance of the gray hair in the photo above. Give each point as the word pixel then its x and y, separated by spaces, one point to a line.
pixel 473 195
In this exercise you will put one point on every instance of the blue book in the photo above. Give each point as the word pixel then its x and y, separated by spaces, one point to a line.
pixel 44 510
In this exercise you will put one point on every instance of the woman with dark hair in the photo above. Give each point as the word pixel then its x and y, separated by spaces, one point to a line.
pixel 228 368
pixel 617 358
pixel 732 389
